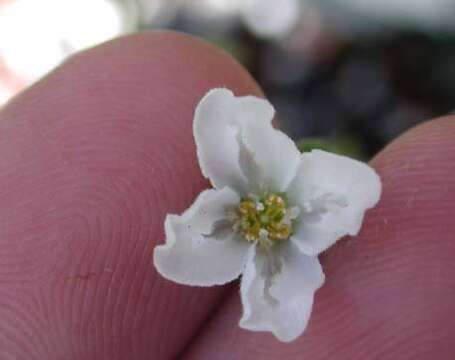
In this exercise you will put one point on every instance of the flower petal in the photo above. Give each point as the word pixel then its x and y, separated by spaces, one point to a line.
pixel 274 152
pixel 190 256
pixel 280 302
pixel 334 192
pixel 224 125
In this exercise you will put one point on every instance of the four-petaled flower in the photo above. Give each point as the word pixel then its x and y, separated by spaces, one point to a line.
pixel 271 212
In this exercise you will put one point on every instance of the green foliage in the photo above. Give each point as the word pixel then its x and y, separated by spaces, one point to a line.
pixel 344 145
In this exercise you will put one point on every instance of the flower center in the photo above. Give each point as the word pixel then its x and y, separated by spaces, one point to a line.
pixel 265 220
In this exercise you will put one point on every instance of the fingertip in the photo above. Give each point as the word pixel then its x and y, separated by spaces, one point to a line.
pixel 388 293
pixel 93 157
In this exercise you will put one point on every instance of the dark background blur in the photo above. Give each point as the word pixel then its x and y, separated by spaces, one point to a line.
pixel 355 73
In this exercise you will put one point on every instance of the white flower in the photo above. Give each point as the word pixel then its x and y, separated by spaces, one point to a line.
pixel 270 18
pixel 271 212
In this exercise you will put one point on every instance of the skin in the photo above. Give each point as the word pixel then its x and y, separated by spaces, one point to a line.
pixel 95 155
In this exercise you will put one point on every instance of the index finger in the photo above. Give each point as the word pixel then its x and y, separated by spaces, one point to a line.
pixel 389 292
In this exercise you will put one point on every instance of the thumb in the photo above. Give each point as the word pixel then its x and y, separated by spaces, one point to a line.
pixel 92 158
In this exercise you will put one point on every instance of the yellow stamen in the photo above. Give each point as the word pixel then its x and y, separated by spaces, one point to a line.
pixel 263 221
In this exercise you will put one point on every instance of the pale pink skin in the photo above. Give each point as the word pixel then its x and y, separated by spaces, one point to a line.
pixel 95 155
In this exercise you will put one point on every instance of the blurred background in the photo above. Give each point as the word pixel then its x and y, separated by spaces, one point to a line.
pixel 348 75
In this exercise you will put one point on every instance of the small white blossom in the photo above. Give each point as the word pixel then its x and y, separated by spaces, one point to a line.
pixel 271 212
